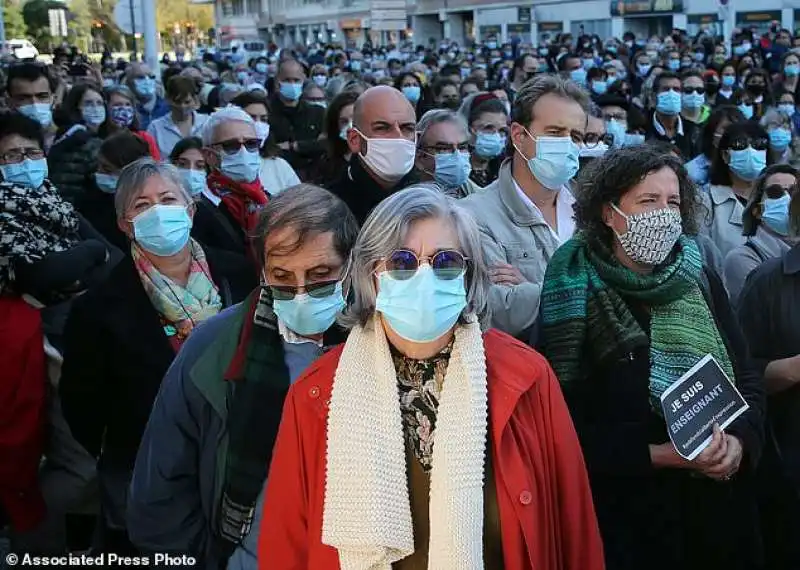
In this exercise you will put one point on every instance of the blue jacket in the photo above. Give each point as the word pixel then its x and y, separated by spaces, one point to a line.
pixel 177 481
pixel 146 117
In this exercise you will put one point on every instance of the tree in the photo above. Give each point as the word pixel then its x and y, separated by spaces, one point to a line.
pixel 79 23
pixel 14 22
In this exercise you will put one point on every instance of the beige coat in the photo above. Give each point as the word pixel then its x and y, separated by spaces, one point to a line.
pixel 513 233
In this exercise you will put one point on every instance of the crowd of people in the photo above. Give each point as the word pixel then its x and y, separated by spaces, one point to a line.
pixel 240 300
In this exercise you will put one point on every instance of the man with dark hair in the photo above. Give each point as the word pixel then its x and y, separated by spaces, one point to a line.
pixel 526 214
pixel 571 67
pixel 30 89
pixel 295 125
pixel 445 94
pixel 525 67
pixel 666 123
pixel 452 72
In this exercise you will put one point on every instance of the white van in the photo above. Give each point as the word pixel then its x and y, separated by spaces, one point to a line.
pixel 248 48
pixel 22 49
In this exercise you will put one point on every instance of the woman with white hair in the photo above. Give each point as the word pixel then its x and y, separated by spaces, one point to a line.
pixel 231 151
pixel 356 480
pixel 122 335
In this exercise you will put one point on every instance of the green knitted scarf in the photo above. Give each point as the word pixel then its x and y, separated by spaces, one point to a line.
pixel 586 321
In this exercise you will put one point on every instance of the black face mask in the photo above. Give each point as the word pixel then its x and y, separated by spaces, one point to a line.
pixel 756 89
pixel 530 75
pixel 712 87
pixel 451 103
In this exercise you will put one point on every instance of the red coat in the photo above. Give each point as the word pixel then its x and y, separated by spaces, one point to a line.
pixel 23 379
pixel 547 517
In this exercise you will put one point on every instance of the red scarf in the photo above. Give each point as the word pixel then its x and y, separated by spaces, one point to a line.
pixel 244 200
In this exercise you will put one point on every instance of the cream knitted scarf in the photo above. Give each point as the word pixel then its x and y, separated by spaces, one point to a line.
pixel 367 513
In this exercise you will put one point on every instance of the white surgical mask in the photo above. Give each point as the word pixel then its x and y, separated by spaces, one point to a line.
pixel 391 159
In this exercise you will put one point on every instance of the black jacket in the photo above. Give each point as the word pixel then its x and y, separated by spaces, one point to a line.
pixel 302 124
pixel 98 208
pixel 688 142
pixel 116 354
pixel 361 193
pixel 667 518
pixel 769 313
pixel 213 226
pixel 72 162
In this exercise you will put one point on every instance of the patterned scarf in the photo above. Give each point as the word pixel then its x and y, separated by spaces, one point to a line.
pixel 244 200
pixel 33 224
pixel 180 308
pixel 586 321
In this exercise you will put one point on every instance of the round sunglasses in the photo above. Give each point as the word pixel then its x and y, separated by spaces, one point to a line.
pixel 446 264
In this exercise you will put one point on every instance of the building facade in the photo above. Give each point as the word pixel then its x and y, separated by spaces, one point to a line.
pixel 290 22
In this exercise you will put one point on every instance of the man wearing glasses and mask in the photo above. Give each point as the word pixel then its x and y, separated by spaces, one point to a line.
pixel 203 460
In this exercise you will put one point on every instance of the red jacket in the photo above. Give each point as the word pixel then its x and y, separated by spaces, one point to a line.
pixel 22 420
pixel 546 513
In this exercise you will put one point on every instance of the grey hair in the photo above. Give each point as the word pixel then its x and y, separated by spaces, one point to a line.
pixel 134 176
pixel 438 116
pixel 773 117
pixel 224 115
pixel 385 230
pixel 334 87
pixel 541 85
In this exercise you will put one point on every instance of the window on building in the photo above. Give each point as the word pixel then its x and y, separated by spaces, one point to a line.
pixel 227 9
pixel 590 27
pixel 254 7
pixel 237 7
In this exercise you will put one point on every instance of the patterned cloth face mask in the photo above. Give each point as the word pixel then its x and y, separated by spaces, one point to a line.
pixel 651 235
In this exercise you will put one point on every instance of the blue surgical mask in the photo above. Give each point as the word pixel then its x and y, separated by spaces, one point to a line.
pixel 556 161
pixel 93 115
pixel 307 315
pixel 355 65
pixel 674 64
pixel 412 93
pixel 775 214
pixel 791 70
pixel 693 100
pixel 643 68
pixel 787 109
pixel 345 130
pixel 162 229
pixel 291 91
pixel 451 169
pixel 261 67
pixel 742 49
pixel 42 113
pixel 588 63
pixel 668 102
pixel 780 138
pixel 617 130
pixel 28 173
pixel 320 80
pixel 106 182
pixel 145 86
pixel 108 82
pixel 242 166
pixel 747 110
pixel 578 76
pixel 422 308
pixel 193 180
pixel 748 163
pixel 728 80
pixel 599 86
pixel 489 145
pixel 242 76
pixel 633 139
pixel 698 56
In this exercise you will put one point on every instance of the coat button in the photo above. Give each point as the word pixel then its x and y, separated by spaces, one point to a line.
pixel 314 392
pixel 524 254
pixel 525 497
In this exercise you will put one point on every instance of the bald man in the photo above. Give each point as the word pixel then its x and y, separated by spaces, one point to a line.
pixel 149 105
pixel 382 143
pixel 295 125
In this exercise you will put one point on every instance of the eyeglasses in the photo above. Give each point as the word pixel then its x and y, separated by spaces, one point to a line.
pixel 446 148
pixel 233 146
pixel 591 140
pixel 621 117
pixel 317 290
pixel 447 264
pixel 775 191
pixel 690 90
pixel 760 143
pixel 17 155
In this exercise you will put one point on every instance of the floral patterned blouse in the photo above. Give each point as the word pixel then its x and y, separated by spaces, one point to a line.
pixel 420 384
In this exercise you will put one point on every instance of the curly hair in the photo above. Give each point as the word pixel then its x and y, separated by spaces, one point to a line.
pixel 607 180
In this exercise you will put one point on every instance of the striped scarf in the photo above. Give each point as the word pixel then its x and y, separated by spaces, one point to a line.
pixel 586 321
